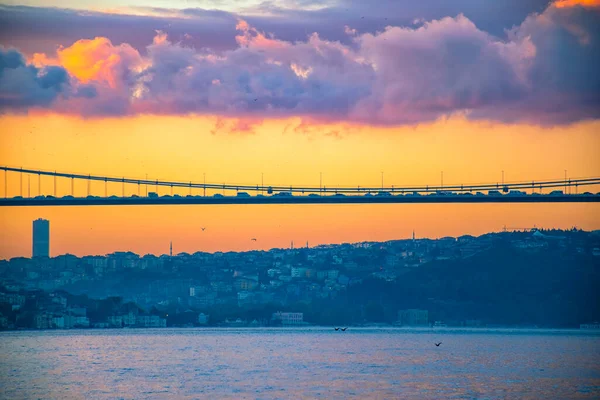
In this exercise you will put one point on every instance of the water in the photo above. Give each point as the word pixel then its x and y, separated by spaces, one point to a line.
pixel 299 364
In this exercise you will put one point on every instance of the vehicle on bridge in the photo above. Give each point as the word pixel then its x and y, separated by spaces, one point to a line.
pixel 218 196
pixel 384 194
pixel 243 194
pixel 153 195
pixel 283 194
pixel 494 193
pixel 556 193
pixel 516 193
pixel 314 195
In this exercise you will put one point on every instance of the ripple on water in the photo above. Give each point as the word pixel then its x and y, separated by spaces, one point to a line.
pixel 270 364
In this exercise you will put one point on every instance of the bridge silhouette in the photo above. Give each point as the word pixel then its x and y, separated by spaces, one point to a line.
pixel 505 192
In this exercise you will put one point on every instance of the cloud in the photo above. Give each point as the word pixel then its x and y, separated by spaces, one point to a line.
pixel 23 86
pixel 39 30
pixel 100 61
pixel 576 3
pixel 543 72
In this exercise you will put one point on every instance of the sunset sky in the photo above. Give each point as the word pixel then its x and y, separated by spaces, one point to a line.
pixel 290 89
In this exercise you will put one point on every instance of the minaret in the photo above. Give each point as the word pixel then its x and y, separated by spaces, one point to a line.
pixel 307 244
pixel 171 249
pixel 413 235
pixel 292 245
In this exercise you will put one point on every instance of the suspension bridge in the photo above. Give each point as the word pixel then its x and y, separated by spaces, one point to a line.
pixel 556 191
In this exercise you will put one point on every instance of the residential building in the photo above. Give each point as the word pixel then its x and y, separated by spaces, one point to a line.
pixel 289 318
pixel 413 317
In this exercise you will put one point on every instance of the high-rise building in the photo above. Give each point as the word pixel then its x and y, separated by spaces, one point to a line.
pixel 41 238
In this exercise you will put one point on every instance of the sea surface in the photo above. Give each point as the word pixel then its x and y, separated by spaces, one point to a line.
pixel 307 363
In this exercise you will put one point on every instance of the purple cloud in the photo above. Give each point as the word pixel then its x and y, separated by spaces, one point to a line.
pixel 23 86
pixel 542 72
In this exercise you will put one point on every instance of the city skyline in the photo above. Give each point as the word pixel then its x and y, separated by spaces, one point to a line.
pixel 190 246
pixel 299 95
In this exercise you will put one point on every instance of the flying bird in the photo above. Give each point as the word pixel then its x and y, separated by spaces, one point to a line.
pixel 438 344
pixel 344 329
pixel 203 229
pixel 337 329
pixel 253 239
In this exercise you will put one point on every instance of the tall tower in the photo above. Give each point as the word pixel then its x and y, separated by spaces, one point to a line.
pixel 171 249
pixel 413 235
pixel 41 238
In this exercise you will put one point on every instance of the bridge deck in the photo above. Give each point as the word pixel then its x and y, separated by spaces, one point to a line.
pixel 229 200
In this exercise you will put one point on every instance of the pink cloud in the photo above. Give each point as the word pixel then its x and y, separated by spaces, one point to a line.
pixel 400 75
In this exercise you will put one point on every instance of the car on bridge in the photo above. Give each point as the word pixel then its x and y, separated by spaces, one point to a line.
pixel 218 196
pixel 494 193
pixel 314 195
pixel 243 194
pixel 383 194
pixel 516 193
pixel 339 195
pixel 556 193
pixel 153 195
pixel 68 197
pixel 283 194
pixel 39 197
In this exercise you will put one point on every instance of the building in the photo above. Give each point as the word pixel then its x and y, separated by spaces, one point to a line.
pixel 41 238
pixel 289 318
pixel 413 317
pixel 203 319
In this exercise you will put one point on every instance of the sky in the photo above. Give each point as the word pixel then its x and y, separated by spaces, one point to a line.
pixel 287 91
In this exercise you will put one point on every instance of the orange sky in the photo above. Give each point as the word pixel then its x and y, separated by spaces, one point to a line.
pixel 184 148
